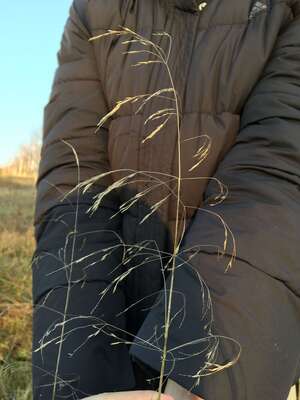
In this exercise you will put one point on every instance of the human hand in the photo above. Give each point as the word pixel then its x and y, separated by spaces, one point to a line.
pixel 131 395
pixel 178 392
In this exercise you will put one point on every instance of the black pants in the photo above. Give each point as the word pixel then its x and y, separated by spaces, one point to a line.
pixel 88 364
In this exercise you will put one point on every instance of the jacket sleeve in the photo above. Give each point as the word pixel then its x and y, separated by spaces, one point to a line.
pixel 68 262
pixel 262 209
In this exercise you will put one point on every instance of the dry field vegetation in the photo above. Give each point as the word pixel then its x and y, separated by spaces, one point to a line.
pixel 16 248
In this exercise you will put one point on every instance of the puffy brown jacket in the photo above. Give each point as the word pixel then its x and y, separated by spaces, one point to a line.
pixel 235 66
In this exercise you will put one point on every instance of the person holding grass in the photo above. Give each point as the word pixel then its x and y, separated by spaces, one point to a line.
pixel 167 214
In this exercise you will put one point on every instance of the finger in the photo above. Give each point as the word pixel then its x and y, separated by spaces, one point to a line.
pixel 179 392
pixel 131 395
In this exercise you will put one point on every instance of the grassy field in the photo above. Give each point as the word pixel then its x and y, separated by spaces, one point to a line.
pixel 16 249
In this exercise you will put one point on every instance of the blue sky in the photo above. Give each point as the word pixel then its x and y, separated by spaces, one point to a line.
pixel 30 36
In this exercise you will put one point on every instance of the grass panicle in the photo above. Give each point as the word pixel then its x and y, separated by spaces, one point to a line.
pixel 132 252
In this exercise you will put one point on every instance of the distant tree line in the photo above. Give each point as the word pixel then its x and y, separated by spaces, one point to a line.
pixel 26 161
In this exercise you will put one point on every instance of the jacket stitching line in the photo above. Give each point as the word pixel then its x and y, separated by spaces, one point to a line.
pixel 152 28
pixel 184 113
